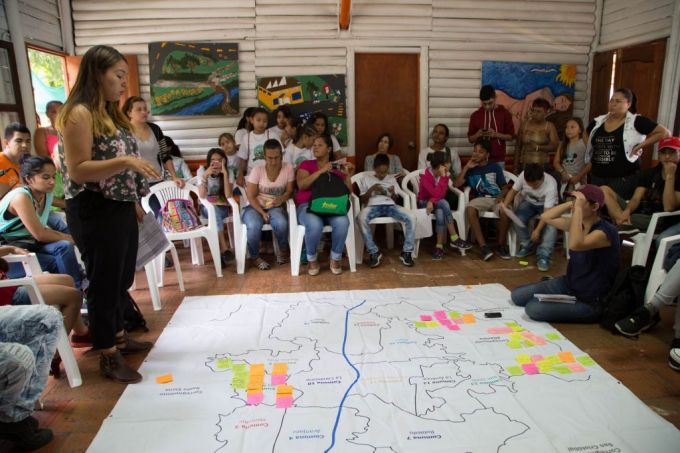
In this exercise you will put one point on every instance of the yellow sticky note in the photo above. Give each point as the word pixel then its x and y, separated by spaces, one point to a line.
pixel 257 368
pixel 280 368
pixel 528 343
pixel 566 356
pixel 164 379
pixel 523 359
pixel 515 336
pixel 284 390
pixel 223 363
pixel 469 319
pixel 552 359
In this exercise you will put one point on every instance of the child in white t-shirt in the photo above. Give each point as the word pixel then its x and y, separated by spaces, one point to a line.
pixel 252 150
pixel 281 116
pixel 301 149
pixel 228 145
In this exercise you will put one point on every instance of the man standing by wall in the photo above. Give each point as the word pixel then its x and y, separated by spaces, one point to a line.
pixel 491 122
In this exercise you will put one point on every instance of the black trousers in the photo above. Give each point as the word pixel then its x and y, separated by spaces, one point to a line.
pixel 106 234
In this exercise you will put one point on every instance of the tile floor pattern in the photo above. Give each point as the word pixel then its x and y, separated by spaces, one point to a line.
pixel 75 415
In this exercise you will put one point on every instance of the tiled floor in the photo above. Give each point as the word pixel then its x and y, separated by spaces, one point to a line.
pixel 75 415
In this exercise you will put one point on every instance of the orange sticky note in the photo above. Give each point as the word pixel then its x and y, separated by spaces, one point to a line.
pixel 256 379
pixel 284 390
pixel 280 368
pixel 164 379
pixel 566 356
pixel 257 369
pixel 469 319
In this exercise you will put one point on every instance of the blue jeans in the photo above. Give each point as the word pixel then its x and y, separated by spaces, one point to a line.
pixel 442 213
pixel 57 257
pixel 221 212
pixel 314 227
pixel 386 210
pixel 28 339
pixel 670 231
pixel 278 219
pixel 550 311
pixel 526 211
pixel 57 223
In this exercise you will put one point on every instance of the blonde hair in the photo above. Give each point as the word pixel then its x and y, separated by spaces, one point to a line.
pixel 87 91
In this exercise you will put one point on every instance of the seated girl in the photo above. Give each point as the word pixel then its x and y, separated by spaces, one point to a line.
pixel 24 213
pixel 269 187
pixel 592 267
pixel 214 186
pixel 301 149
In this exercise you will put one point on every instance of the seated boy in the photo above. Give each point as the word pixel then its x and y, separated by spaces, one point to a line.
pixel 378 193
pixel 487 181
pixel 539 192
pixel 658 190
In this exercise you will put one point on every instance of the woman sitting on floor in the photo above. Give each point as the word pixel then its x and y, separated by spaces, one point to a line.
pixel 24 213
pixel 592 267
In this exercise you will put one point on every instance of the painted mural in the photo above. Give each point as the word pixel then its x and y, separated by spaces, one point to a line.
pixel 194 78
pixel 306 95
pixel 518 84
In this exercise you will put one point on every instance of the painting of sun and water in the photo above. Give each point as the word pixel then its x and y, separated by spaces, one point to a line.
pixel 194 78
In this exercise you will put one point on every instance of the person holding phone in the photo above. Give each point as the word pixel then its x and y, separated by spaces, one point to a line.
pixel 491 122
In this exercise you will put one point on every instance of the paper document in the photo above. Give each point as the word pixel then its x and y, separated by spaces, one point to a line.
pixel 513 216
pixel 560 298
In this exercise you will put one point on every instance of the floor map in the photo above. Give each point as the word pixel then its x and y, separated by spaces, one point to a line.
pixel 398 370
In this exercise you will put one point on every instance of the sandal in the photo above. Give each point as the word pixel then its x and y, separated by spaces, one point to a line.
pixel 313 268
pixel 282 258
pixel 261 264
pixel 336 267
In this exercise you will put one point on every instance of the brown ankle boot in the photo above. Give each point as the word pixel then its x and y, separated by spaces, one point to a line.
pixel 127 345
pixel 113 366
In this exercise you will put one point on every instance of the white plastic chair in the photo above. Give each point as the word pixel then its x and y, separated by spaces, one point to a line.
pixel 410 185
pixel 241 233
pixel 167 190
pixel 32 267
pixel 643 241
pixel 154 274
pixel 657 274
pixel 512 235
pixel 297 238
pixel 389 222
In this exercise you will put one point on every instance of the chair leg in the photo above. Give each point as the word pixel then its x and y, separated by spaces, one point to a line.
pixel 359 244
pixel 297 239
pixel 159 266
pixel 240 250
pixel 214 246
pixel 178 268
pixel 416 248
pixel 153 285
pixel 230 233
pixel 68 359
pixel 351 249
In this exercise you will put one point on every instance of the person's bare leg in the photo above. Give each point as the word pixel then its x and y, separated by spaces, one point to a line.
pixel 503 226
pixel 473 221
pixel 69 299
pixel 611 200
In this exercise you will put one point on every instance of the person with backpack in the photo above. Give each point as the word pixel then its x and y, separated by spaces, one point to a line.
pixel 592 267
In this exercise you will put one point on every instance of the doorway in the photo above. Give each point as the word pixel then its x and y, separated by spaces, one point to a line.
pixel 387 87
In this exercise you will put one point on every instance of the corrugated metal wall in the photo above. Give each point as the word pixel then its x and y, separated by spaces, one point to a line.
pixel 287 37
pixel 627 22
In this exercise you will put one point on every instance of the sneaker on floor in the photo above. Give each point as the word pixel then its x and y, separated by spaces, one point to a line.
pixel 406 259
pixel 25 435
pixel 503 252
pixel 524 252
pixel 486 252
pixel 438 254
pixel 674 355
pixel 626 229
pixel 375 259
pixel 460 244
pixel 637 322
pixel 543 264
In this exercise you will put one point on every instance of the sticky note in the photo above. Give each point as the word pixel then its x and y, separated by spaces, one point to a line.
pixel 223 363
pixel 523 358
pixel 585 360
pixel 544 367
pixel 566 356
pixel 562 369
pixel 552 336
pixel 458 320
pixel 239 368
pixel 432 324
pixel 440 314
pixel 453 327
pixel 280 368
pixel 515 336
pixel 523 263
pixel 239 384
pixel 256 379
pixel 536 358
pixel 514 370
pixel 446 322
pixel 530 368
pixel 257 369
pixel 164 379
pixel 278 379
pixel 421 324
pixel 528 343
pixel 284 390
pixel 514 344
pixel 576 367
pixel 425 318
pixel 469 319
pixel 552 359
pixel 517 328
pixel 539 341
pixel 511 323
pixel 254 399
pixel 454 314
pixel 284 402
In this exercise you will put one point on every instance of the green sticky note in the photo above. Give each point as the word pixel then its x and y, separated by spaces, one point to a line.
pixel 432 324
pixel 454 315
pixel 528 343
pixel 545 368
pixel 585 360
pixel 239 368
pixel 421 324
pixel 511 323
pixel 523 359
pixel 562 369
pixel 552 336
pixel 514 370
pixel 514 344
pixel 223 363
pixel 523 263
pixel 517 328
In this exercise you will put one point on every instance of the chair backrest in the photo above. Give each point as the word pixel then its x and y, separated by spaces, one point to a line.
pixel 167 190
pixel 509 177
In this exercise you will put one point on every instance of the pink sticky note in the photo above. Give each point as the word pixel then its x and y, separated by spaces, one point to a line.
pixel 284 402
pixel 425 318
pixel 440 314
pixel 458 320
pixel 576 367
pixel 255 399
pixel 540 341
pixel 530 368
pixel 446 322
pixel 453 327
pixel 278 379
pixel 536 357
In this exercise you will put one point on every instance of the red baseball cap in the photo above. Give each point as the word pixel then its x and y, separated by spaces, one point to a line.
pixel 669 142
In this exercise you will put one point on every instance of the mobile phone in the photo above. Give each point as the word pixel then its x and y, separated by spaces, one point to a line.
pixel 492 314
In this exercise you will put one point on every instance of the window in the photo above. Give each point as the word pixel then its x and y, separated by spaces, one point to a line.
pixel 10 97
pixel 47 78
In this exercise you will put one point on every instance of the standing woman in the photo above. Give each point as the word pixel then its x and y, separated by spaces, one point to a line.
pixel 615 142
pixel 104 178
pixel 308 172
pixel 537 138
pixel 46 137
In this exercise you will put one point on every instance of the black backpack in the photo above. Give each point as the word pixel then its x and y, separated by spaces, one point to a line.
pixel 627 294
pixel 132 315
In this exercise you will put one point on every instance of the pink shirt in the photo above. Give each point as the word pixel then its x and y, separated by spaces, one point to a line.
pixel 268 190
pixel 310 166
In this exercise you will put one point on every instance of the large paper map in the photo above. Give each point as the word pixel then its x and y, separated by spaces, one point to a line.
pixel 399 370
